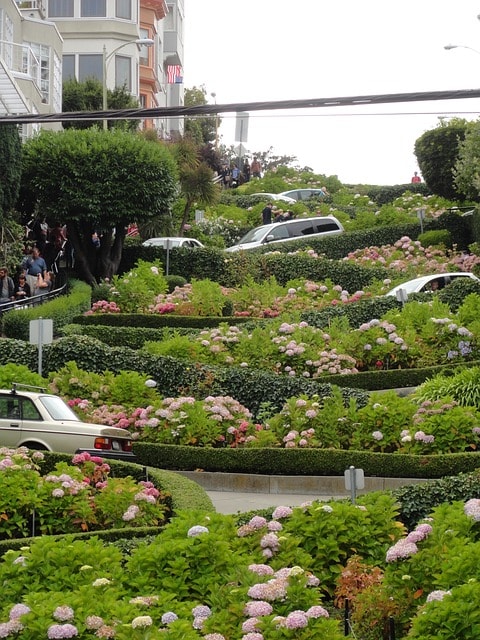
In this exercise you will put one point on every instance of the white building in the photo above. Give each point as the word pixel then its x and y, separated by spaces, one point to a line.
pixel 77 39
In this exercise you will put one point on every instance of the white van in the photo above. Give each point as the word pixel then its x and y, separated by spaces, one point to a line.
pixel 305 228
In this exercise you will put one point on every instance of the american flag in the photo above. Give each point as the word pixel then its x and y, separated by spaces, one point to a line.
pixel 174 74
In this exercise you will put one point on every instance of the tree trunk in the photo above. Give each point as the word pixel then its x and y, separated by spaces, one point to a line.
pixel 186 211
pixel 92 263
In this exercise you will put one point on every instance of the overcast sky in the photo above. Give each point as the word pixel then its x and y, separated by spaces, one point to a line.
pixel 255 50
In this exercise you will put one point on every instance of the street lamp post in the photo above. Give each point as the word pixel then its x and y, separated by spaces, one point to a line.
pixel 147 42
pixel 214 96
pixel 449 47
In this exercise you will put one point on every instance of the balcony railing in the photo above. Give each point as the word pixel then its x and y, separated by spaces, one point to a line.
pixel 21 61
pixel 32 5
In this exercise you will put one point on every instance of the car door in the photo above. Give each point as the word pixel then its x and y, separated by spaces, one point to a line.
pixel 10 420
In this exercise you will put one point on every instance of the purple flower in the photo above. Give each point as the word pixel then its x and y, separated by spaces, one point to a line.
pixel 400 550
pixel 201 611
pixel 296 620
pixel 169 617
pixel 472 508
pixel 377 435
pixel 317 612
pixel 63 613
pixel 261 569
pixel 19 610
pixel 439 594
pixel 282 512
pixel 62 631
pixel 259 608
pixel 196 530
pixel 258 522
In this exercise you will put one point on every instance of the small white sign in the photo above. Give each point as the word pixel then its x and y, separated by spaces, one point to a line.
pixel 41 331
pixel 358 476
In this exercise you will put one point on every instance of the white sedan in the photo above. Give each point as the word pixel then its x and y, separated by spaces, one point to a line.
pixel 173 243
pixel 274 196
pixel 431 283
pixel 42 421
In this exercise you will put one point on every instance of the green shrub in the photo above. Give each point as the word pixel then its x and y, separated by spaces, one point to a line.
pixel 455 293
pixel 62 310
pixel 175 281
pixel 435 238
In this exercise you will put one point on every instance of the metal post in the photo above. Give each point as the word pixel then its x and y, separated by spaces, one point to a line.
pixel 391 629
pixel 104 86
pixel 167 262
pixel 346 619
pixel 353 484
pixel 40 346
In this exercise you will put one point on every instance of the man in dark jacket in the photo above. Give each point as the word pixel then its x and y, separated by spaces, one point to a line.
pixel 7 288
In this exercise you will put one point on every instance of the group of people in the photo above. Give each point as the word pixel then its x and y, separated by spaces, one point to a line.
pixel 232 176
pixel 270 214
pixel 33 279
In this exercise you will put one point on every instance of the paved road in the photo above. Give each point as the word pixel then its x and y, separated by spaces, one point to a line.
pixel 229 502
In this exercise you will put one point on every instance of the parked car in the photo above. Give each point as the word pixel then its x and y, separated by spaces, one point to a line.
pixel 40 420
pixel 172 243
pixel 303 194
pixel 287 231
pixel 432 282
pixel 273 196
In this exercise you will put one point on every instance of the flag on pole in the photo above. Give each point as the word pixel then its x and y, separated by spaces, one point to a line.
pixel 174 74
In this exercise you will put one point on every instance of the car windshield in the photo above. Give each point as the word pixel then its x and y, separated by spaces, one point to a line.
pixel 254 235
pixel 57 408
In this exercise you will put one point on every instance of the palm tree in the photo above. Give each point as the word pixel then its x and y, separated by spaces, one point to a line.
pixel 196 179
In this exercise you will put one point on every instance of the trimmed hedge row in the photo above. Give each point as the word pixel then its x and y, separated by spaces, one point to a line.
pixel 62 310
pixel 418 500
pixel 302 462
pixel 229 269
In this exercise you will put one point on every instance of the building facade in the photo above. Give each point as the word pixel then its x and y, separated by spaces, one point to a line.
pixel 30 61
pixel 92 39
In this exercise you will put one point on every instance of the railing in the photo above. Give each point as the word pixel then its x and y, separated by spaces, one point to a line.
pixel 19 58
pixel 33 301
pixel 32 4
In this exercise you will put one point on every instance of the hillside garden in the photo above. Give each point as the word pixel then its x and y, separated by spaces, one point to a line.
pixel 285 573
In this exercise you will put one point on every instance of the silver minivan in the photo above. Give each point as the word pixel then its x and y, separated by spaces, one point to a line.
pixel 305 228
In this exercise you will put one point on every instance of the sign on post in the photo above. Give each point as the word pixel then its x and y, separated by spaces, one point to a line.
pixel 354 479
pixel 41 332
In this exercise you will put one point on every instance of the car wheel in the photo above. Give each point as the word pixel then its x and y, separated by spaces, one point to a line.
pixel 35 446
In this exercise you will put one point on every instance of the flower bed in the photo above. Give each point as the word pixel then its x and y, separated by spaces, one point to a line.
pixel 72 498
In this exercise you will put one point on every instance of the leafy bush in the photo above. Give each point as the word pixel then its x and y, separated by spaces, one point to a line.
pixel 436 238
pixel 62 310
pixel 455 293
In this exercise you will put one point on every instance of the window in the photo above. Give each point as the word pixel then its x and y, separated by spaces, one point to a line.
pixel 123 9
pixel 325 225
pixel 30 411
pixel 298 229
pixel 68 67
pixel 90 66
pixel 93 8
pixel 123 72
pixel 60 8
pixel 143 54
pixel 278 233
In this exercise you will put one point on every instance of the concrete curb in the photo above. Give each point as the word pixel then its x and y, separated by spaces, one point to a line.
pixel 292 485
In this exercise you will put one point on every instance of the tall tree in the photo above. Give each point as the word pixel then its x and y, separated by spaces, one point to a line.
pixel 437 153
pixel 97 181
pixel 88 96
pixel 202 129
pixel 196 179
pixel 467 168
pixel 10 167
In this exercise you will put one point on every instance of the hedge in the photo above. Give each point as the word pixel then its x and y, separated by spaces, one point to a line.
pixel 302 462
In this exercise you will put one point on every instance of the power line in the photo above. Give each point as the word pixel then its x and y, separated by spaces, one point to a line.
pixel 209 109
